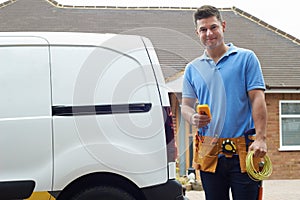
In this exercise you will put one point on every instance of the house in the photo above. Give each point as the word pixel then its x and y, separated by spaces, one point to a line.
pixel 172 32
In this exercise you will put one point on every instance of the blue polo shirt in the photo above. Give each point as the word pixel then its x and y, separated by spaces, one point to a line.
pixel 224 86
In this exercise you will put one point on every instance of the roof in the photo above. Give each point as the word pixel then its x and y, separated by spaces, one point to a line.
pixel 170 30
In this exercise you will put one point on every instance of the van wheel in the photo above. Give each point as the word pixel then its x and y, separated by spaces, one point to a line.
pixel 103 192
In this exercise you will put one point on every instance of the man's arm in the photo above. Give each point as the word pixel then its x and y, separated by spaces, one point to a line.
pixel 259 114
pixel 190 115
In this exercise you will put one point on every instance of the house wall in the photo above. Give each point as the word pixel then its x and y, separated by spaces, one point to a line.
pixel 286 164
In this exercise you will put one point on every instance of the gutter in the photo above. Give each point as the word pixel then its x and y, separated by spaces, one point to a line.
pixel 281 89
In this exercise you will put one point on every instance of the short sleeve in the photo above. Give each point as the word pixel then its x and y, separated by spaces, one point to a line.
pixel 187 87
pixel 254 75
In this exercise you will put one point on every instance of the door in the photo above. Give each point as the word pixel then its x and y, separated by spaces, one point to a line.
pixel 25 112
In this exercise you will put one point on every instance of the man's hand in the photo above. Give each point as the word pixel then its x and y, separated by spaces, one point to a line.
pixel 259 147
pixel 199 120
pixel 189 114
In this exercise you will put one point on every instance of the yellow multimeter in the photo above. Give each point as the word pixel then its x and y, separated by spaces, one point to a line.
pixel 203 109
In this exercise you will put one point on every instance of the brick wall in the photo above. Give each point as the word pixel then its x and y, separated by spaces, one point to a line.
pixel 286 164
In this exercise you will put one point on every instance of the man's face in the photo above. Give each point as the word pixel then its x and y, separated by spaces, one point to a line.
pixel 211 32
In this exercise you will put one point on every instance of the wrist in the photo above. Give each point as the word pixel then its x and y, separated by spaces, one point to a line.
pixel 260 136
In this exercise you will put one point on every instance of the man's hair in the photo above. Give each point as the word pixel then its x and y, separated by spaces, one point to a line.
pixel 207 11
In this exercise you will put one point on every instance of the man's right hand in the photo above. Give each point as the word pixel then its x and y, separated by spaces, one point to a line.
pixel 199 120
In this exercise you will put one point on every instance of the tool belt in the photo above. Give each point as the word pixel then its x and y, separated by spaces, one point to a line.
pixel 207 151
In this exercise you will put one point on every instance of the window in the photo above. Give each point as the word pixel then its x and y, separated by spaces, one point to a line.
pixel 289 125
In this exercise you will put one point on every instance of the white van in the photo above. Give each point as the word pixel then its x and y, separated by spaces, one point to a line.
pixel 84 117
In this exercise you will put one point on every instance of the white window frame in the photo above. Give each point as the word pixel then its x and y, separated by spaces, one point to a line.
pixel 281 116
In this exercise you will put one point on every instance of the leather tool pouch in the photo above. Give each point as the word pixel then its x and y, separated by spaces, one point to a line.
pixel 241 146
pixel 206 154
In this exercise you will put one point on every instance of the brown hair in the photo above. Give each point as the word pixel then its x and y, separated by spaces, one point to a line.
pixel 205 12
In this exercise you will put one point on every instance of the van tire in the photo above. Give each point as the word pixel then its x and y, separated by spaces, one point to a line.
pixel 103 192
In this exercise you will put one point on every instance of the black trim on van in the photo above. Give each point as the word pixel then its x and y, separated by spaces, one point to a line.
pixel 16 189
pixel 101 109
pixel 171 190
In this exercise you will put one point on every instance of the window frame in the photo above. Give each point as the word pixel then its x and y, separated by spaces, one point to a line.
pixel 281 116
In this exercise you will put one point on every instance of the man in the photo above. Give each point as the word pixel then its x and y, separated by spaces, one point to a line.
pixel 229 79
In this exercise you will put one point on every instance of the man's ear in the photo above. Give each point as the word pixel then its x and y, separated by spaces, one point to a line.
pixel 223 26
pixel 196 31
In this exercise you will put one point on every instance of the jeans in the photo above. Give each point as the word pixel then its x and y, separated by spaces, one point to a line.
pixel 228 176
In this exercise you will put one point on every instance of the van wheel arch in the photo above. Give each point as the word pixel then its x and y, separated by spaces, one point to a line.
pixel 98 180
pixel 103 192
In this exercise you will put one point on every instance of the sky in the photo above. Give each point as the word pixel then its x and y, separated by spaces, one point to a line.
pixel 278 13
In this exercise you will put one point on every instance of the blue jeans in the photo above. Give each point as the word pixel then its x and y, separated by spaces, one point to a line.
pixel 228 176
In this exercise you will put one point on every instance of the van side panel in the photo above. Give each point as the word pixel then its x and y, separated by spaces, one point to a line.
pixel 131 144
pixel 25 117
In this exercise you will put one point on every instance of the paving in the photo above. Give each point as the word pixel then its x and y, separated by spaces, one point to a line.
pixel 272 190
